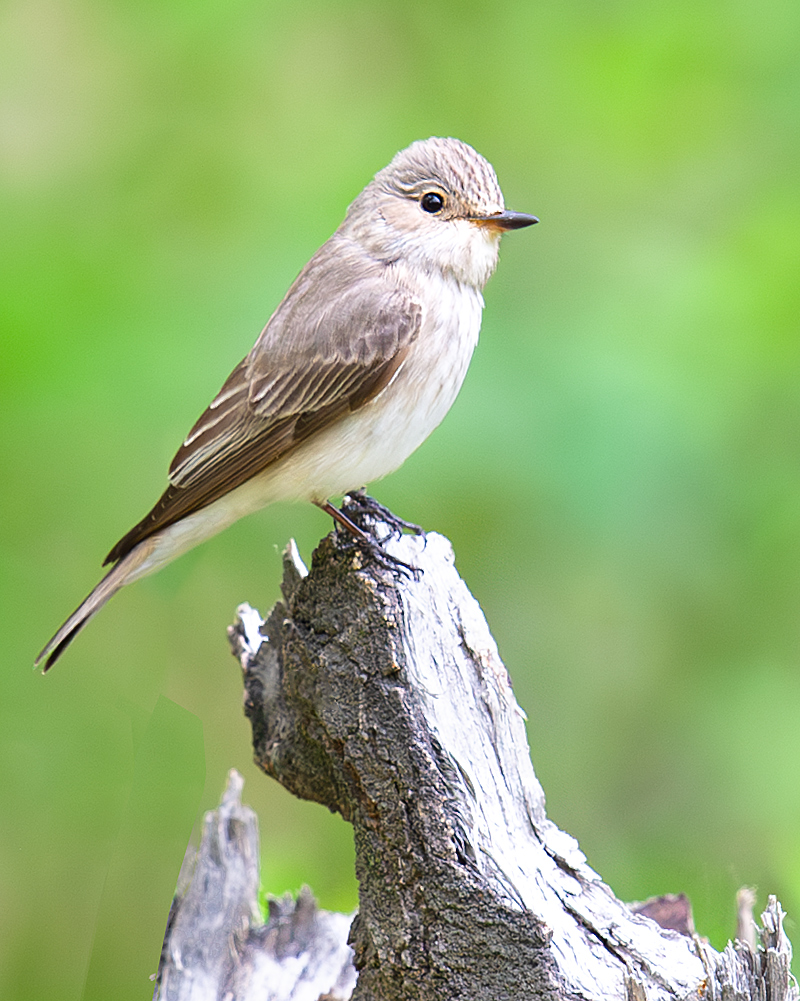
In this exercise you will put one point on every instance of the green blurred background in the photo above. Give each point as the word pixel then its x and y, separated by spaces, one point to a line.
pixel 619 477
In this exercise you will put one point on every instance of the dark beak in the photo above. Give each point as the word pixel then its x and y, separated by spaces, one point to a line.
pixel 506 220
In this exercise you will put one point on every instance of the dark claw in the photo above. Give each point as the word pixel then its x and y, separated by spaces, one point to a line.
pixel 375 552
pixel 356 524
pixel 358 505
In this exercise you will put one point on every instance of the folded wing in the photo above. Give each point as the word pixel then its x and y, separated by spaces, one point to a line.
pixel 331 346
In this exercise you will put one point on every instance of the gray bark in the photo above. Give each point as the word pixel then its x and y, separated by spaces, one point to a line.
pixel 383 697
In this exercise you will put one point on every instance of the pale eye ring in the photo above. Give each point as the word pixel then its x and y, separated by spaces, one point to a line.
pixel 432 202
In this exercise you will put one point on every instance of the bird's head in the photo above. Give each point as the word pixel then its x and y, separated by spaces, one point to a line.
pixel 437 206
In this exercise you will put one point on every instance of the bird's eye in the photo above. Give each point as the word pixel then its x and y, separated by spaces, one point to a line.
pixel 432 202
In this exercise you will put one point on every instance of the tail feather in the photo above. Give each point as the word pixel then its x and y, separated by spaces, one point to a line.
pixel 115 579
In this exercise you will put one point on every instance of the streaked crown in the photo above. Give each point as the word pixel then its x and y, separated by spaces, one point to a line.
pixel 465 177
pixel 427 209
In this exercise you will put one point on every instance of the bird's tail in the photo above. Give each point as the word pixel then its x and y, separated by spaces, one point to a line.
pixel 117 577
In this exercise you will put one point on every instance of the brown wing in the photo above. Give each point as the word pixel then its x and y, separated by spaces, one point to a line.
pixel 330 347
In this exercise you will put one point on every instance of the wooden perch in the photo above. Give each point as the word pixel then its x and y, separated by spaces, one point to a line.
pixel 383 697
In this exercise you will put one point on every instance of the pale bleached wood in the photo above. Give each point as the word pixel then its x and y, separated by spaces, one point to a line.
pixel 217 946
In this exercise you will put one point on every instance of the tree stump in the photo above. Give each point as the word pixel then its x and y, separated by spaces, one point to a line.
pixel 381 695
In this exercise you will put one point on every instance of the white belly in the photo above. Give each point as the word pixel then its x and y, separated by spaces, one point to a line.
pixel 379 437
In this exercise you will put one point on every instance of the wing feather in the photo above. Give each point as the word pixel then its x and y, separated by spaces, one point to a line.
pixel 337 340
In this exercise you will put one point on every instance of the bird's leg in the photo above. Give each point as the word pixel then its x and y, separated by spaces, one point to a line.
pixel 341 519
pixel 359 502
pixel 370 545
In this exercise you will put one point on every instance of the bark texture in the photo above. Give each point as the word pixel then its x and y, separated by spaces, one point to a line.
pixel 382 696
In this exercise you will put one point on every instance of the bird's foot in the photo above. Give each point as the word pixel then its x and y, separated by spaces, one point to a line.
pixel 379 556
pixel 362 536
pixel 359 505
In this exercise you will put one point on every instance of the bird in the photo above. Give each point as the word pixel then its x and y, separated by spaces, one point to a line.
pixel 357 365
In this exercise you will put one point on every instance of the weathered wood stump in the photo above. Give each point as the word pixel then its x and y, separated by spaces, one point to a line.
pixel 382 695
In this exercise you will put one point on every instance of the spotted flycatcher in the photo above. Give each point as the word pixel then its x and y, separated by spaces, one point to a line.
pixel 355 368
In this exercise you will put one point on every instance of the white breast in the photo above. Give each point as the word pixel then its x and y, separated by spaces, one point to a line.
pixel 380 437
